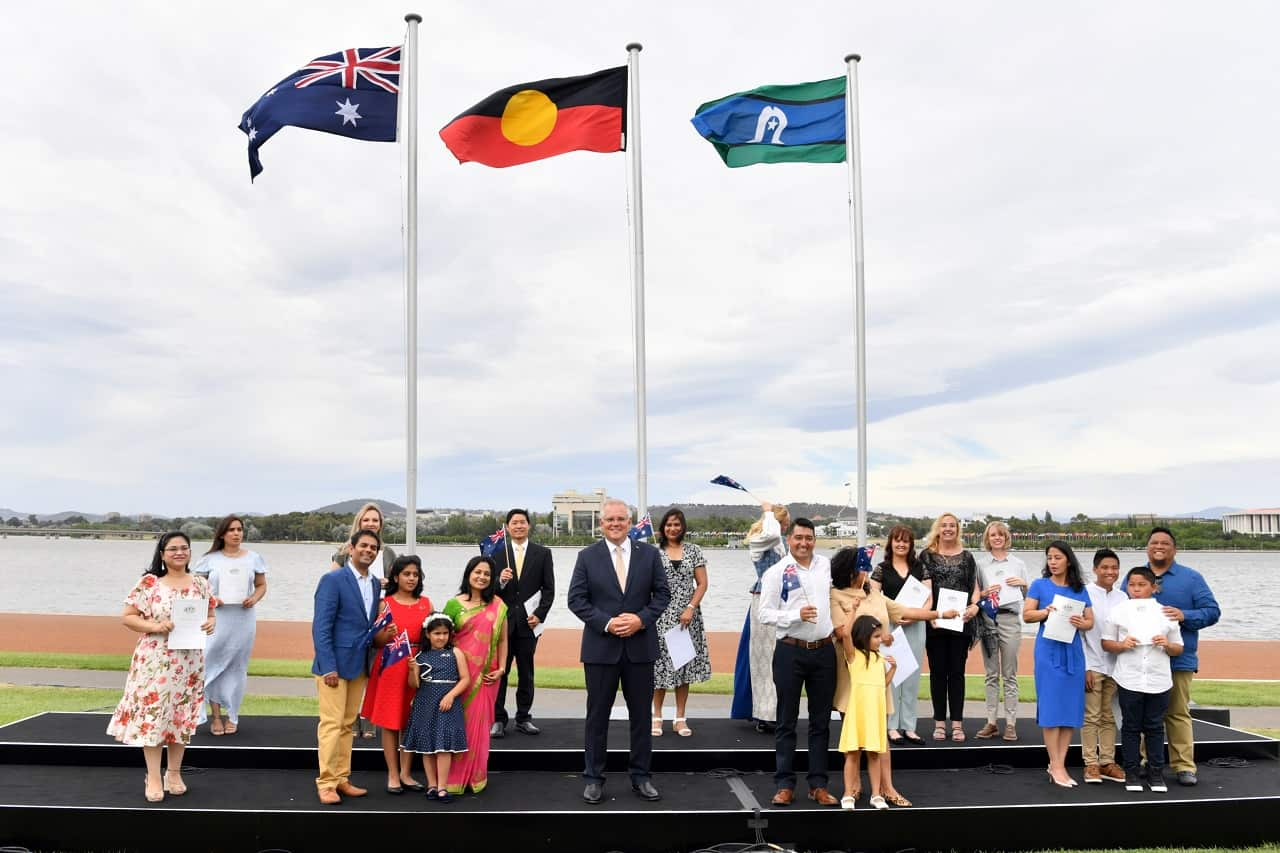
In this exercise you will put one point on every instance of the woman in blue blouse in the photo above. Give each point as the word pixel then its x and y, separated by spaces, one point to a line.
pixel 1059 666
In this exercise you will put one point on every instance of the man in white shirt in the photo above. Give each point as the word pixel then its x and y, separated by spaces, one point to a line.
pixel 795 599
pixel 1098 735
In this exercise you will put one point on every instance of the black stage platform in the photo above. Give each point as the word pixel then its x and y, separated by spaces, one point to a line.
pixel 65 785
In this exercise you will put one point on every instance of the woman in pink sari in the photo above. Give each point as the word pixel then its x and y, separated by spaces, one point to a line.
pixel 480 620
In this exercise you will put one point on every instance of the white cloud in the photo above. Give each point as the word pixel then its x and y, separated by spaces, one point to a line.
pixel 1071 245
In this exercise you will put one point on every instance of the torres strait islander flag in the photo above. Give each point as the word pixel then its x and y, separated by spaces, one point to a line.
pixel 800 123
pixel 533 121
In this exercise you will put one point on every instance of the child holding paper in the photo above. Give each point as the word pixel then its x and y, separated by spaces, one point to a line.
pixel 1143 640
pixel 864 724
pixel 1060 665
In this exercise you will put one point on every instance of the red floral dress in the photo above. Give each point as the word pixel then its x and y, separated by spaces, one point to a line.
pixel 165 688
pixel 388 696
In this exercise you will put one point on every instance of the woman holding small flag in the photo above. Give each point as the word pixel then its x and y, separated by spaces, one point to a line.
pixel 686 570
pixel 388 696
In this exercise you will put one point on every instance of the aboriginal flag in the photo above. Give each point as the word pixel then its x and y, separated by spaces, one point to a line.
pixel 533 121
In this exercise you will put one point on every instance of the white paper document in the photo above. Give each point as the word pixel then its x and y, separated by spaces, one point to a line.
pixel 1148 620
pixel 531 605
pixel 1057 626
pixel 952 599
pixel 679 646
pixel 901 653
pixel 912 594
pixel 188 615
pixel 1008 594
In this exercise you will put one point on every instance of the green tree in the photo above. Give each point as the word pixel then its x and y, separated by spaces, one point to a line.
pixel 14 521
pixel 1048 517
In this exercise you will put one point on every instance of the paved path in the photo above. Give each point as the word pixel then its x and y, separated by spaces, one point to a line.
pixel 1248 659
pixel 549 703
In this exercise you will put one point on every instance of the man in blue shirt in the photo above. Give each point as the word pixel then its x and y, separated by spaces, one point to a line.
pixel 1188 601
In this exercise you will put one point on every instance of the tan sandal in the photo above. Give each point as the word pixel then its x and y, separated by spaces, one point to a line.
pixel 940 731
pixel 216 727
pixel 898 800
pixel 175 789
pixel 680 725
pixel 957 733
pixel 229 727
pixel 655 727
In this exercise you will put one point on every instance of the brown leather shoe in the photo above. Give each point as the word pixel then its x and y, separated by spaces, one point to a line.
pixel 346 789
pixel 1111 773
pixel 329 797
pixel 823 797
pixel 783 797
pixel 990 730
pixel 1092 774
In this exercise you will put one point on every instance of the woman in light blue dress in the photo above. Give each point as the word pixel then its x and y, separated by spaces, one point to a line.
pixel 238 580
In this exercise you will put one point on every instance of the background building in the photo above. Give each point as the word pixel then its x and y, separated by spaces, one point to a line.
pixel 1265 522
pixel 577 513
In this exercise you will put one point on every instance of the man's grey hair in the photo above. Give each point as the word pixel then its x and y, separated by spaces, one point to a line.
pixel 618 502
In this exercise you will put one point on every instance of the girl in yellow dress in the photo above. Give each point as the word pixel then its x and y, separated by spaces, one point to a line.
pixel 864 723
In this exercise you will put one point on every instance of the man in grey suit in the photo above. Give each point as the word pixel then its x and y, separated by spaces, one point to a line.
pixel 618 590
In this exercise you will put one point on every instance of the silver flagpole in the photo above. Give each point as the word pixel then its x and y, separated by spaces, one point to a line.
pixel 853 155
pixel 409 99
pixel 636 196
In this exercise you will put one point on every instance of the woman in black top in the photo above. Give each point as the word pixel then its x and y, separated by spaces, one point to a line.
pixel 889 577
pixel 950 566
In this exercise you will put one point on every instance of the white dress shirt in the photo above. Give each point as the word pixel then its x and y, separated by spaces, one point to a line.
pixel 1095 658
pixel 1013 565
pixel 1145 668
pixel 815 589
pixel 366 588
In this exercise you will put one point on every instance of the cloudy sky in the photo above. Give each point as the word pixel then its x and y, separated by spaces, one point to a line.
pixel 1072 263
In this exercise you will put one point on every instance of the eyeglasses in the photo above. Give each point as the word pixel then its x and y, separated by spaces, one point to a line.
pixel 181 549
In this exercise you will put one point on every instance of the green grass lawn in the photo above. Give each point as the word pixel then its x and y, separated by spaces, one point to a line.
pixel 17 702
pixel 1205 692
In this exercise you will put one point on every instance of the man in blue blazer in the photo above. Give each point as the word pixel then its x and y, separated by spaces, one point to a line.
pixel 618 590
pixel 345 606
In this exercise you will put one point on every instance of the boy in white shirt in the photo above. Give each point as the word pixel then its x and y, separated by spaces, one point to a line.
pixel 1142 640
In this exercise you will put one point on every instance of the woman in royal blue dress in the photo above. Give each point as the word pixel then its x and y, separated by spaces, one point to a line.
pixel 1060 666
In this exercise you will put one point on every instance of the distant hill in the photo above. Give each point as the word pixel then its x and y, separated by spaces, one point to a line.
pixel 352 505
pixel 1211 512
pixel 797 510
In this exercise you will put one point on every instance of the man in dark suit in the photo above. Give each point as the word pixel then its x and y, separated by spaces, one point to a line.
pixel 346 603
pixel 618 590
pixel 524 570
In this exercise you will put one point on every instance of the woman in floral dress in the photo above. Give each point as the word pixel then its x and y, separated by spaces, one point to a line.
pixel 165 687
pixel 686 570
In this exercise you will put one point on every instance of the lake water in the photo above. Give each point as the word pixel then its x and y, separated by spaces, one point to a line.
pixel 1246 584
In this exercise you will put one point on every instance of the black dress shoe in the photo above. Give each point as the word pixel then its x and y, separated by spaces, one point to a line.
pixel 414 786
pixel 527 727
pixel 593 793
pixel 395 790
pixel 498 730
pixel 645 791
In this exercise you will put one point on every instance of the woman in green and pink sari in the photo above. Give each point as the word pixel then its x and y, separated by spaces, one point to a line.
pixel 480 620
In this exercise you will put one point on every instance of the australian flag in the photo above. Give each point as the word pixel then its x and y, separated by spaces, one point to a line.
pixel 865 555
pixel 378 624
pixel 990 604
pixel 351 93
pixel 790 581
pixel 397 650
pixel 725 480
pixel 643 530
pixel 493 543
